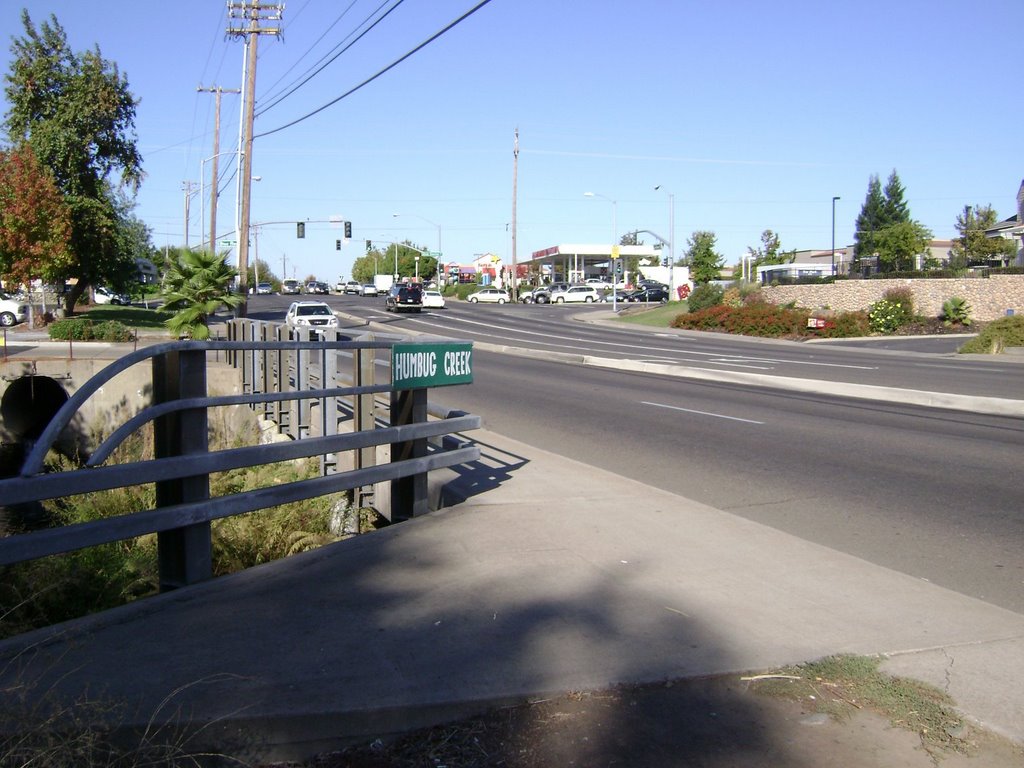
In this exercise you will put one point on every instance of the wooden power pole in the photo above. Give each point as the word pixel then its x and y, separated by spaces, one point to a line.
pixel 214 174
pixel 254 13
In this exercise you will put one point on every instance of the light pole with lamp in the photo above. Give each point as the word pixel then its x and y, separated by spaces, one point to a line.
pixel 671 239
pixel 214 194
pixel 615 228
pixel 834 235
pixel 433 224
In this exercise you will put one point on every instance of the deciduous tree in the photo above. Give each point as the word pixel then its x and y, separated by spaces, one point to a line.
pixel 78 114
pixel 973 247
pixel 35 223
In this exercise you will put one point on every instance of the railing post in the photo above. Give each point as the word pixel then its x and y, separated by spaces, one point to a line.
pixel 363 416
pixel 184 554
pixel 409 494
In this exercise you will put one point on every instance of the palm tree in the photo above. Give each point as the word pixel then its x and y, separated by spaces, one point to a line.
pixel 198 283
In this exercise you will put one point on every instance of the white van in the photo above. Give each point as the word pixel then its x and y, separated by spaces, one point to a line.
pixel 289 286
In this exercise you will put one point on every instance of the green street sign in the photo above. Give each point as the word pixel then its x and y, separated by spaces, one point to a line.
pixel 442 364
pixel 227 242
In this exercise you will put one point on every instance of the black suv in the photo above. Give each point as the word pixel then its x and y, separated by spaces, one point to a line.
pixel 407 297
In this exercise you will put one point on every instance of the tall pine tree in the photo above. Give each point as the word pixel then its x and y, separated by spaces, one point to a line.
pixel 869 221
pixel 895 209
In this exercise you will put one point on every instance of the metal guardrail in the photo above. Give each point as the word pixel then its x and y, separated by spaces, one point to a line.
pixel 280 380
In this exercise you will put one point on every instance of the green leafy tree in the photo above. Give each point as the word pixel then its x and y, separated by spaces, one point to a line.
pixel 770 251
pixel 77 113
pixel 705 263
pixel 973 247
pixel 35 223
pixel 197 284
pixel 899 243
pixel 407 254
pixel 261 270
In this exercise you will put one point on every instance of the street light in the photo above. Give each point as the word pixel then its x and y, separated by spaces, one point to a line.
pixel 213 197
pixel 615 227
pixel 834 235
pixel 433 224
pixel 671 239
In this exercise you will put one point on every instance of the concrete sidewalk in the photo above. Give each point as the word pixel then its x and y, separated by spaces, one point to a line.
pixel 543 576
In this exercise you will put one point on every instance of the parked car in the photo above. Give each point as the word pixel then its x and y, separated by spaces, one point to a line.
pixel 289 286
pixel 576 293
pixel 370 289
pixel 651 284
pixel 12 311
pixel 404 297
pixel 310 314
pixel 264 289
pixel 103 295
pixel 598 282
pixel 539 295
pixel 490 295
pixel 354 286
pixel 620 295
pixel 648 295
pixel 433 299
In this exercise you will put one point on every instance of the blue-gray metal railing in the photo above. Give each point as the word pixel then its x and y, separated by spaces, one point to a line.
pixel 278 378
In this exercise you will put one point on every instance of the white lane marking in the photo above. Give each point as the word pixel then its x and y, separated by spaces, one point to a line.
pixel 719 355
pixel 701 413
pixel 953 363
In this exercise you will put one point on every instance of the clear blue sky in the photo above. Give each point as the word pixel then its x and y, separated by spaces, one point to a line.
pixel 752 115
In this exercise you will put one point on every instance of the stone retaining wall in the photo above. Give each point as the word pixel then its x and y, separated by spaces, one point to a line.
pixel 989 298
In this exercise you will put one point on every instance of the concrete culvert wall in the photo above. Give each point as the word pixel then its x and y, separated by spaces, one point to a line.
pixel 29 404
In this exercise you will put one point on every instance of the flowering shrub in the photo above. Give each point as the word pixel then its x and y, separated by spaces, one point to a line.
pixel 886 316
pixel 904 299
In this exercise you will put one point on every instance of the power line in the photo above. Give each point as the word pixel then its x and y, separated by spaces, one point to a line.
pixel 278 99
pixel 386 69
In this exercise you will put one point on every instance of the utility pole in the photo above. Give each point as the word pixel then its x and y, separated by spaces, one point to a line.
pixel 254 13
pixel 515 182
pixel 214 192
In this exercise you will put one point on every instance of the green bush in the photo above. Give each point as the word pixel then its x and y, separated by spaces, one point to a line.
pixel 956 311
pixel 886 316
pixel 904 299
pixel 997 335
pixel 705 295
pixel 85 329
pixel 766 320
pixel 845 325
pixel 771 321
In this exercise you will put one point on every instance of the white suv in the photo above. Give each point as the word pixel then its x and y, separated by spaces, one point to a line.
pixel 310 314
pixel 12 312
pixel 580 293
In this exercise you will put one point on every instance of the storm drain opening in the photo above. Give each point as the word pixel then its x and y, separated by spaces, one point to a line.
pixel 29 404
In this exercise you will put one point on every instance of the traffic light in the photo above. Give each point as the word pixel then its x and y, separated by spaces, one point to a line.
pixel 337 245
pixel 369 246
pixel 618 266
pixel 348 230
pixel 300 229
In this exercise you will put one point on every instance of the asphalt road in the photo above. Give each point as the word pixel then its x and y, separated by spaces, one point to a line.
pixel 927 492
pixel 553 328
